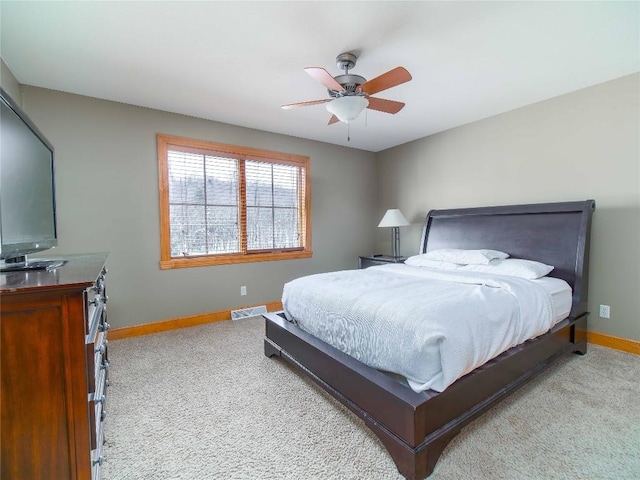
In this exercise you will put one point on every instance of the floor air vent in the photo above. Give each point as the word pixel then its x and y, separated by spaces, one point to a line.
pixel 248 312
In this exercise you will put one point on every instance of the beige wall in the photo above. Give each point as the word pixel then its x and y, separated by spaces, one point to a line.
pixel 585 144
pixel 581 145
pixel 107 199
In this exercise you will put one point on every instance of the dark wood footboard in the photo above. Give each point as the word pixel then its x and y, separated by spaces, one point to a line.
pixel 415 427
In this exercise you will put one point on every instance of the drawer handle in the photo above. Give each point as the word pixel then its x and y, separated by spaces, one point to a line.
pixel 102 348
pixel 104 326
pixel 102 399
pixel 99 460
pixel 105 365
pixel 103 415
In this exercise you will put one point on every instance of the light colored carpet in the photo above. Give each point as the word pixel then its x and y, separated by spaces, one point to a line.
pixel 205 403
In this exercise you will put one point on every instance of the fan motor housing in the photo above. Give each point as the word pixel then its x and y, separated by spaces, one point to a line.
pixel 350 83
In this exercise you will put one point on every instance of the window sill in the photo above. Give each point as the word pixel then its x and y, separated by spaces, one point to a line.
pixel 212 260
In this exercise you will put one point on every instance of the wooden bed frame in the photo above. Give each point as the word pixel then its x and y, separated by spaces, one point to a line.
pixel 416 427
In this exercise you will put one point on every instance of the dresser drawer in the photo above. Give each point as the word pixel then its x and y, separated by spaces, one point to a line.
pixel 97 403
pixel 97 362
pixel 97 458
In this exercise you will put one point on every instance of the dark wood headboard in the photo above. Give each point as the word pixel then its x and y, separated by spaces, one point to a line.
pixel 553 233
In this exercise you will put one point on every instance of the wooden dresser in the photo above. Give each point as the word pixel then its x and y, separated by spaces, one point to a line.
pixel 54 370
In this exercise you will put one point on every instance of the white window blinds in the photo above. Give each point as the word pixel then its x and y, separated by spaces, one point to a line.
pixel 219 204
pixel 273 202
pixel 203 204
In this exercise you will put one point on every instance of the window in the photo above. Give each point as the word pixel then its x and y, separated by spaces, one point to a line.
pixel 222 204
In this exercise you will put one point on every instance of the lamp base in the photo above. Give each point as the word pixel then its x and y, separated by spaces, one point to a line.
pixel 395 241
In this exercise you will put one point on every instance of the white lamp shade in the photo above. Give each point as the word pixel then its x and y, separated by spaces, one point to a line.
pixel 393 218
pixel 347 108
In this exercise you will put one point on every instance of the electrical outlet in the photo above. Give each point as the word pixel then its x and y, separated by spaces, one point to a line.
pixel 605 311
pixel 243 290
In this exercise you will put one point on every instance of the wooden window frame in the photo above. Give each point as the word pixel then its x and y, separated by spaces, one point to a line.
pixel 170 142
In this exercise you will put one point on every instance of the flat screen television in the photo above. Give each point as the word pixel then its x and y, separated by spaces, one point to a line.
pixel 27 190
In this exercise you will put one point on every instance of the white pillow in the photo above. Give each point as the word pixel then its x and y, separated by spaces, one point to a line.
pixel 465 257
pixel 516 267
pixel 422 261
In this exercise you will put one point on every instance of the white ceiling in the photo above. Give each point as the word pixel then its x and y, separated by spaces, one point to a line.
pixel 237 62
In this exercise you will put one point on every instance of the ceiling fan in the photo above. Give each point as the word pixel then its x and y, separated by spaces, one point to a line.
pixel 351 94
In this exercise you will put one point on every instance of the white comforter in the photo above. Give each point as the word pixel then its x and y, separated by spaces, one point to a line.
pixel 431 327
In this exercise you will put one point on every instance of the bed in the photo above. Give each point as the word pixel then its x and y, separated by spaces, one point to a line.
pixel 415 427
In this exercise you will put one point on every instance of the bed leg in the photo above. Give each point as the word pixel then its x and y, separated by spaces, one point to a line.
pixel 412 463
pixel 580 348
pixel 271 349
pixel 579 335
pixel 435 449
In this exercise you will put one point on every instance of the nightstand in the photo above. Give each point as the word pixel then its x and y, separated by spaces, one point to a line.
pixel 370 261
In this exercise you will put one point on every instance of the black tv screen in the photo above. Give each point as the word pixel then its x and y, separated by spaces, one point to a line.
pixel 27 192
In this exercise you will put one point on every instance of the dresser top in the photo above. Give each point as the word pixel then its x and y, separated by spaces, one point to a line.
pixel 79 270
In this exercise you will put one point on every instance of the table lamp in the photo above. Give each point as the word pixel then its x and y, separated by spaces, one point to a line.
pixel 394 219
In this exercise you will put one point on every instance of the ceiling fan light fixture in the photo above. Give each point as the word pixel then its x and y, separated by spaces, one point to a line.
pixel 347 108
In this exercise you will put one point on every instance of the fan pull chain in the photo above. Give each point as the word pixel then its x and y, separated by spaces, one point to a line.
pixel 348 136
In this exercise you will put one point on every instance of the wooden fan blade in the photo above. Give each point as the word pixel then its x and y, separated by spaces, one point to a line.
pixel 390 79
pixel 325 78
pixel 333 120
pixel 305 104
pixel 387 106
